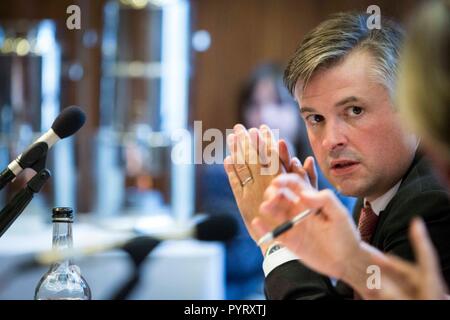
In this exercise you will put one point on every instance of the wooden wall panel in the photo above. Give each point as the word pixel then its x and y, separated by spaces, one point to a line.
pixel 84 93
pixel 247 32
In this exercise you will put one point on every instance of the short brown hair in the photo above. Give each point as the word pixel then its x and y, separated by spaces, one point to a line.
pixel 334 38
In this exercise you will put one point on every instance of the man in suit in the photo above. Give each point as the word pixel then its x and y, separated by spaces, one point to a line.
pixel 343 77
pixel 329 244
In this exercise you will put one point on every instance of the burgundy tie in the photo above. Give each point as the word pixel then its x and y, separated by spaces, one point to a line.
pixel 366 226
pixel 367 222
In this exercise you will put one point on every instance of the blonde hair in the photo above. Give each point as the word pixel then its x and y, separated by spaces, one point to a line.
pixel 336 37
pixel 424 75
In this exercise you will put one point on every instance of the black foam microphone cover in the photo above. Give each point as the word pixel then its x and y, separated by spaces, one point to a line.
pixel 217 227
pixel 69 121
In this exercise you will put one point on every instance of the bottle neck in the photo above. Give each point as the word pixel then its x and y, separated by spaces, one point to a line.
pixel 62 235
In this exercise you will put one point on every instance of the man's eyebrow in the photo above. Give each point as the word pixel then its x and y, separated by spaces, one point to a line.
pixel 307 109
pixel 337 104
pixel 347 100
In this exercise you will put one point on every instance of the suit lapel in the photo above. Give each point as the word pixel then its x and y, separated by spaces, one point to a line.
pixel 357 210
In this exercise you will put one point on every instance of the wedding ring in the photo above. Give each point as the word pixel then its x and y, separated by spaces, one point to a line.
pixel 247 180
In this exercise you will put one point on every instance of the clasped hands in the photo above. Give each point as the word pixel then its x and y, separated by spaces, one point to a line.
pixel 271 187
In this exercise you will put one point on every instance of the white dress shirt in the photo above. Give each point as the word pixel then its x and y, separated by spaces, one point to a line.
pixel 284 255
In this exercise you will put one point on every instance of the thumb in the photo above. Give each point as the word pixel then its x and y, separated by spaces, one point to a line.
pixel 311 170
pixel 297 168
pixel 284 155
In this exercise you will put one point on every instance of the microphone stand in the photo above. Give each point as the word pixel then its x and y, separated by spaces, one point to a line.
pixel 33 158
pixel 137 249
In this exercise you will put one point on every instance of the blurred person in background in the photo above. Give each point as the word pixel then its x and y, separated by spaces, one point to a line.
pixel 424 101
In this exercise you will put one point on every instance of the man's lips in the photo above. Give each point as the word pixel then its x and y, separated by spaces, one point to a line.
pixel 343 166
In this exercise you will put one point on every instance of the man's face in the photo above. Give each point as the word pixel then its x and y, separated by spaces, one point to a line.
pixel 353 129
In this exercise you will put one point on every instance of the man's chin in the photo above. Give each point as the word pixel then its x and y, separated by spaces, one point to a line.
pixel 349 188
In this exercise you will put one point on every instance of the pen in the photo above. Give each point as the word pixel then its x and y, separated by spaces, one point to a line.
pixel 284 227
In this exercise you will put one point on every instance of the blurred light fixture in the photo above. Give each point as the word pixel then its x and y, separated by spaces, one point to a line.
pixel 90 38
pixel 76 71
pixel 22 47
pixel 8 45
pixel 201 40
pixel 135 4
pixel 137 69
pixel 141 4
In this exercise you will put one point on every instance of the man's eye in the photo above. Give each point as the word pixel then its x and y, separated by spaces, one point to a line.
pixel 354 111
pixel 314 119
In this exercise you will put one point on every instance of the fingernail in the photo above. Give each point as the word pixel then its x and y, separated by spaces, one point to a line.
pixel 239 127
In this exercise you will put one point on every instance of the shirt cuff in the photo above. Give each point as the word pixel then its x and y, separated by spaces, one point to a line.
pixel 276 259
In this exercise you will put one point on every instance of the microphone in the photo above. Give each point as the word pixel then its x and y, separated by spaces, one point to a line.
pixel 212 228
pixel 216 227
pixel 69 121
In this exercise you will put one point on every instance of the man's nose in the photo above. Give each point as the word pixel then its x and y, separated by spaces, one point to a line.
pixel 335 137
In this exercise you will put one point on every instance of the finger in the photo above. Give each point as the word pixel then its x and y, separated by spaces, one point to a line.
pixel 391 290
pixel 394 267
pixel 267 135
pixel 249 153
pixel 256 145
pixel 311 170
pixel 280 206
pixel 270 192
pixel 235 151
pixel 291 181
pixel 295 162
pixel 297 168
pixel 423 248
pixel 269 154
pixel 261 149
pixel 254 139
pixel 229 169
pixel 396 281
pixel 234 180
pixel 284 155
pixel 325 200
pixel 268 139
pixel 241 169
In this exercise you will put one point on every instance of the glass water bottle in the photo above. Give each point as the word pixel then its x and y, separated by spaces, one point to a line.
pixel 63 281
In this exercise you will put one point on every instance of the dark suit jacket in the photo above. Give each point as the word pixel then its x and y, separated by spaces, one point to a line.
pixel 419 194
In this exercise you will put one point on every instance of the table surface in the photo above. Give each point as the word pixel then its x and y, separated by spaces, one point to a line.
pixel 181 269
